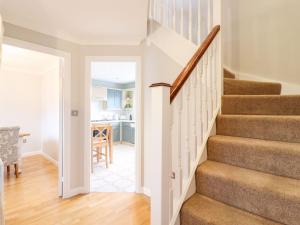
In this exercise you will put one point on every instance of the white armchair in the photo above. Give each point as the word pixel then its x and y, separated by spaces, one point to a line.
pixel 9 137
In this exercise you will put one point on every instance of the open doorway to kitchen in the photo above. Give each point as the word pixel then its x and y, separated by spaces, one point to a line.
pixel 112 117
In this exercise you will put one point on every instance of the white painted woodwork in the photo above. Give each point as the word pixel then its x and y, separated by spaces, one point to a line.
pixel 184 16
pixel 1 37
pixel 1 164
pixel 180 133
pixel 161 188
pixel 181 129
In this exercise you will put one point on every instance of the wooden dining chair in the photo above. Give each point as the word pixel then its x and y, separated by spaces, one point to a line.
pixel 100 138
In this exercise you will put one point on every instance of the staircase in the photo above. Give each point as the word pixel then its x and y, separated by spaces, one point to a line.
pixel 252 175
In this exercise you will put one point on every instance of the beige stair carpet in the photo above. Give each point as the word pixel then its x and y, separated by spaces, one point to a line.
pixel 201 210
pixel 252 175
pixel 274 157
pixel 228 74
pixel 242 87
pixel 266 195
pixel 275 128
pixel 261 104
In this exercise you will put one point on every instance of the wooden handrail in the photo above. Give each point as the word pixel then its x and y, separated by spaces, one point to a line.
pixel 186 72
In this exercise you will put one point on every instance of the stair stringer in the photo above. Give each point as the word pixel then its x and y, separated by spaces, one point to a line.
pixel 172 44
pixel 202 157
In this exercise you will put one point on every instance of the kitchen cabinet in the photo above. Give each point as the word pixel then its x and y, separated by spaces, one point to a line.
pixel 114 99
pixel 116 132
pixel 128 132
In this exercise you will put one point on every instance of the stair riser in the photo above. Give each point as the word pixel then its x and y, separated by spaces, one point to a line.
pixel 267 128
pixel 239 87
pixel 262 202
pixel 228 75
pixel 200 210
pixel 186 219
pixel 261 105
pixel 278 159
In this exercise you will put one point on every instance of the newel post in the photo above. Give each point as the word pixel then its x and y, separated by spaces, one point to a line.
pixel 160 154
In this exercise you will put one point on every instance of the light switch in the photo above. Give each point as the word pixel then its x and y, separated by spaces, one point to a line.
pixel 74 112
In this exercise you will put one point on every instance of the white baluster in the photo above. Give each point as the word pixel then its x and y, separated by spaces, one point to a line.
pixel 209 19
pixel 179 140
pixel 199 109
pixel 210 51
pixel 190 130
pixel 185 133
pixel 174 15
pixel 190 21
pixel 205 95
pixel 181 17
pixel 219 71
pixel 176 146
pixel 166 11
pixel 194 104
pixel 215 75
pixel 151 9
pixel 199 22
pixel 161 12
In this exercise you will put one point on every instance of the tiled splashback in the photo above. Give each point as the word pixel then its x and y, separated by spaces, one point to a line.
pixel 98 112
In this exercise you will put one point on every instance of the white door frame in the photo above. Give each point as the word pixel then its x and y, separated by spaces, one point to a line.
pixel 138 108
pixel 65 109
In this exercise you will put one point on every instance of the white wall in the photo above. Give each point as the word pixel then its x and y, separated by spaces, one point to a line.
pixel 20 105
pixel 261 38
pixel 76 143
pixel 50 112
pixel 32 103
pixel 157 67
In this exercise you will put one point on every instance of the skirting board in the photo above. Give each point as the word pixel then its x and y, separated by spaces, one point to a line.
pixel 147 191
pixel 75 191
pixel 287 88
pixel 49 158
pixel 28 154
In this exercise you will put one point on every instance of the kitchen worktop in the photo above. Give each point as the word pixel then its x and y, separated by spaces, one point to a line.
pixel 112 121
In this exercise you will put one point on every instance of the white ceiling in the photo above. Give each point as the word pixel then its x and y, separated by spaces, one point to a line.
pixel 115 72
pixel 27 61
pixel 81 21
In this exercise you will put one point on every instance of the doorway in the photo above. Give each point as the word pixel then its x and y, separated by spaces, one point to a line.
pixel 54 111
pixel 113 90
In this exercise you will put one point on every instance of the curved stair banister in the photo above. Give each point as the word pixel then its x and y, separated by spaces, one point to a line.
pixel 186 72
pixel 182 116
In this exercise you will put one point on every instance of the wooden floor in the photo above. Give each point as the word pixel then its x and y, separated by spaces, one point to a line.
pixel 32 199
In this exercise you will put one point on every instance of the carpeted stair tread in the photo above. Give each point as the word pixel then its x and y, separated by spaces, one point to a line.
pixel 274 157
pixel 243 87
pixel 261 104
pixel 201 210
pixel 276 128
pixel 273 197
pixel 228 74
